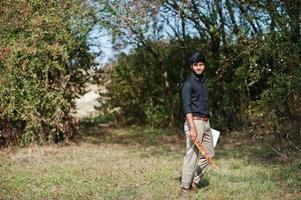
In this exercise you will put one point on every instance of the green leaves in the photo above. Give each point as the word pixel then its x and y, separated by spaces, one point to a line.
pixel 41 67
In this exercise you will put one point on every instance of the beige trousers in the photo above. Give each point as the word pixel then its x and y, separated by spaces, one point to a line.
pixel 195 165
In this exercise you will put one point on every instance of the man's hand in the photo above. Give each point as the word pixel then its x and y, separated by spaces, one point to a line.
pixel 193 134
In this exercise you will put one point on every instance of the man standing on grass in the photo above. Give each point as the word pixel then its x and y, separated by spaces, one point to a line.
pixel 194 96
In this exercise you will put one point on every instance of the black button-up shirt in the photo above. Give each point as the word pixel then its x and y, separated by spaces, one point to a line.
pixel 194 96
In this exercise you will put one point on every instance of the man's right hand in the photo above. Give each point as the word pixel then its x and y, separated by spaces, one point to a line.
pixel 193 134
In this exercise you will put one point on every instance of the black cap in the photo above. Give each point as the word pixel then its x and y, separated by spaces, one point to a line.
pixel 196 57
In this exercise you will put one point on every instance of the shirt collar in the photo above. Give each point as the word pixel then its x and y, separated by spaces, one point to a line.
pixel 198 78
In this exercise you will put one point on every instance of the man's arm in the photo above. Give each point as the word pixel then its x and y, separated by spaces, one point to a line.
pixel 186 100
pixel 192 129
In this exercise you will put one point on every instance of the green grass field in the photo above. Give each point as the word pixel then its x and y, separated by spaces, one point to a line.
pixel 143 163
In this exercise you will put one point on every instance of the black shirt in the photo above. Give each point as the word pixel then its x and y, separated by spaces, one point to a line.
pixel 194 96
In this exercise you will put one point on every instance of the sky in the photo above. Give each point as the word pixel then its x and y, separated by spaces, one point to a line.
pixel 101 41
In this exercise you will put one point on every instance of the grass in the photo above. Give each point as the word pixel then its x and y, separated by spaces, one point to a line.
pixel 142 163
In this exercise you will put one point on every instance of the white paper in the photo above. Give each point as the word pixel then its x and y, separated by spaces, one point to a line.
pixel 215 135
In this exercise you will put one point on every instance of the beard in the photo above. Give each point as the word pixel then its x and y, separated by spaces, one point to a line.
pixel 198 72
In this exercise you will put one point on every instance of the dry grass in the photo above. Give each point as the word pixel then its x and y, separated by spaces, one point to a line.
pixel 141 163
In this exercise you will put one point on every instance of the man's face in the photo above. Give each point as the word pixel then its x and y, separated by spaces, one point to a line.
pixel 198 68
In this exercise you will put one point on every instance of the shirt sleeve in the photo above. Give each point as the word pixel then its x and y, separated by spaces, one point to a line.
pixel 186 97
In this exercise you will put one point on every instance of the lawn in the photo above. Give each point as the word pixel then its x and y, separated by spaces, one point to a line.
pixel 143 163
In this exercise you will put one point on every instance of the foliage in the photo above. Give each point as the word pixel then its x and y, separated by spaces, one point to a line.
pixel 139 92
pixel 44 56
pixel 253 61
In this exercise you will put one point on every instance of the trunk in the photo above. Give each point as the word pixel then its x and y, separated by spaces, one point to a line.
pixel 222 20
pixel 247 16
pixel 233 21
pixel 293 8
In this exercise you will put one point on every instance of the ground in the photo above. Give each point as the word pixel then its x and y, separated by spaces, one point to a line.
pixel 85 104
pixel 143 163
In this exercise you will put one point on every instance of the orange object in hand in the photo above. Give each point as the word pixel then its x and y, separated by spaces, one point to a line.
pixel 199 145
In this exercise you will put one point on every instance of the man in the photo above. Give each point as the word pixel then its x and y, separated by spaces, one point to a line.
pixel 194 96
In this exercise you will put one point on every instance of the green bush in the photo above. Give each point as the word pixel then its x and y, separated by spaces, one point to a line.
pixel 42 65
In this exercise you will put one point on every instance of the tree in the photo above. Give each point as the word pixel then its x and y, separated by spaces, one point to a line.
pixel 252 48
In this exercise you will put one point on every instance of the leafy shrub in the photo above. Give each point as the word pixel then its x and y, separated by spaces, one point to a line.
pixel 42 65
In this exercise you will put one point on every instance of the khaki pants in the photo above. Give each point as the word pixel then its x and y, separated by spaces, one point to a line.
pixel 195 165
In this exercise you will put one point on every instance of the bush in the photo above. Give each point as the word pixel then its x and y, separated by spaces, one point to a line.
pixel 41 67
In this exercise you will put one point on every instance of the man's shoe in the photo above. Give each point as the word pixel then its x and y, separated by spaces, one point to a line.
pixel 184 190
pixel 194 187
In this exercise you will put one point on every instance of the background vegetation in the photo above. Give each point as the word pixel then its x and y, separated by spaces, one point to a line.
pixel 43 59
pixel 253 64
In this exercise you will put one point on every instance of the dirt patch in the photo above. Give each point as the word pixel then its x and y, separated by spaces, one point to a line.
pixel 85 105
